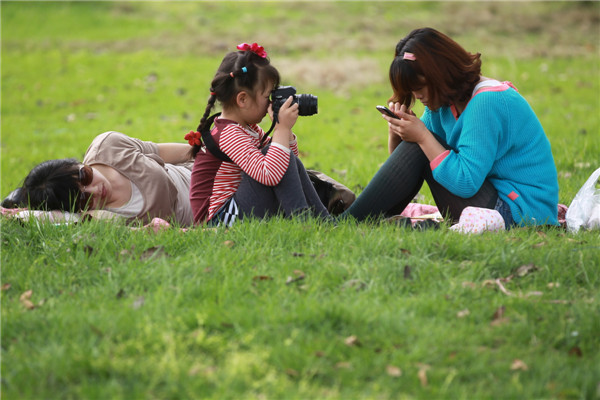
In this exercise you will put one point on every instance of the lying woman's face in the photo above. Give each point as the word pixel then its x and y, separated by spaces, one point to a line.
pixel 96 190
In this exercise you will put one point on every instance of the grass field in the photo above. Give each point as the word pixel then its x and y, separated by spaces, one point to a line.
pixel 289 309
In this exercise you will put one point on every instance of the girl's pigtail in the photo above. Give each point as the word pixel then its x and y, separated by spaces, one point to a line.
pixel 211 103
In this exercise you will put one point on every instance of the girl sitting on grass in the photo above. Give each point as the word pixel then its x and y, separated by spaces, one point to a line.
pixel 478 143
pixel 244 173
pixel 120 177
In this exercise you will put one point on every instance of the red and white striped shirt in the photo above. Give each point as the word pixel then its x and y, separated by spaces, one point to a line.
pixel 215 181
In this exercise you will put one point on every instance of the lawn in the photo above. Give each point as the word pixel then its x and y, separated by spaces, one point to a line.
pixel 291 309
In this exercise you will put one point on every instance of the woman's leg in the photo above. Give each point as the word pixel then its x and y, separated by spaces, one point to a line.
pixel 399 180
pixel 451 205
pixel 395 184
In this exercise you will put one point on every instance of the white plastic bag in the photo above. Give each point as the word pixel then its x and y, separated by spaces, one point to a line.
pixel 584 211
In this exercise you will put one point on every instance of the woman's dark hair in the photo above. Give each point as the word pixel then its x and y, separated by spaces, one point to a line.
pixel 449 71
pixel 239 70
pixel 51 185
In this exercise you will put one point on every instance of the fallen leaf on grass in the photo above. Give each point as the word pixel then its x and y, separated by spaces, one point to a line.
pixel 534 293
pixel 499 313
pixel 526 269
pixel 518 365
pixel 463 313
pixel 292 372
pixel 344 365
pixel 488 283
pixel 25 300
pixel 575 351
pixel 393 371
pixel 502 288
pixel 262 278
pixel 575 241
pixel 352 341
pixel 538 245
pixel 126 252
pixel 6 286
pixel 422 374
pixel 152 252
pixel 498 317
pixel 228 243
pixel 299 276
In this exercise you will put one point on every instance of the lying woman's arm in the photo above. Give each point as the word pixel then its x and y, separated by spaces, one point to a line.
pixel 174 153
pixel 59 217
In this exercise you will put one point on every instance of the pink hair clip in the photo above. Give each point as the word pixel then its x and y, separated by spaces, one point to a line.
pixel 254 47
pixel 409 56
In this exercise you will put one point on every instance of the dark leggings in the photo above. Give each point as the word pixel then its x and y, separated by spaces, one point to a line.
pixel 399 180
pixel 293 195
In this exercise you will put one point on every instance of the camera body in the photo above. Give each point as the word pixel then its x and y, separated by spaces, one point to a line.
pixel 307 103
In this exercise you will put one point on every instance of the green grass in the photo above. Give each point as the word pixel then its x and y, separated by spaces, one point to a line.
pixel 211 314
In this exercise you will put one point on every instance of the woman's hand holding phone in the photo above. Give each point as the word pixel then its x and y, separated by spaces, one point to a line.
pixel 386 111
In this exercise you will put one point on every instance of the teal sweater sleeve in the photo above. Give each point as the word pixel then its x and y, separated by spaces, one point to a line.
pixel 499 138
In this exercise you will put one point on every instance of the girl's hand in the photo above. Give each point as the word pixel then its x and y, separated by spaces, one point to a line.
pixel 288 114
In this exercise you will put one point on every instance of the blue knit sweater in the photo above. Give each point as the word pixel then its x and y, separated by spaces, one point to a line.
pixel 498 137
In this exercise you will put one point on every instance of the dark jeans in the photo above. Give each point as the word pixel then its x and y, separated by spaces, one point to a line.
pixel 293 195
pixel 399 180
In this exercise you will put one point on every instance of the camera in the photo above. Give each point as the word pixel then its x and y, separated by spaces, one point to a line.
pixel 307 103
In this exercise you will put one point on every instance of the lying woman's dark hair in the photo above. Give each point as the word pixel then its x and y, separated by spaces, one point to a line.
pixel 51 185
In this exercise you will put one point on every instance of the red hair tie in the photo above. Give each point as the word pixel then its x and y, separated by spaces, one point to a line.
pixel 254 47
pixel 194 138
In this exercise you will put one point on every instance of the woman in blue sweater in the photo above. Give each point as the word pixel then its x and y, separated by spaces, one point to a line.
pixel 478 143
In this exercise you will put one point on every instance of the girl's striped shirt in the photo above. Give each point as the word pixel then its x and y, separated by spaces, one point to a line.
pixel 215 181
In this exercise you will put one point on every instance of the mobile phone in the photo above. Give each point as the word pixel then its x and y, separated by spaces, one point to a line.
pixel 387 111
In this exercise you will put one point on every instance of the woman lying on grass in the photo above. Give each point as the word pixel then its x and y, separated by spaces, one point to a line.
pixel 120 176
pixel 478 144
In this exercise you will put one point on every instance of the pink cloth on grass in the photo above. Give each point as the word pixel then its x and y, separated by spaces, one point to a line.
pixel 479 220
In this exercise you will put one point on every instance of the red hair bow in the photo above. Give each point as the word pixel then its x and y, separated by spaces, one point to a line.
pixel 194 138
pixel 254 47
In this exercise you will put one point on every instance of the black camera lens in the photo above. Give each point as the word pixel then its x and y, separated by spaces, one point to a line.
pixel 307 104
